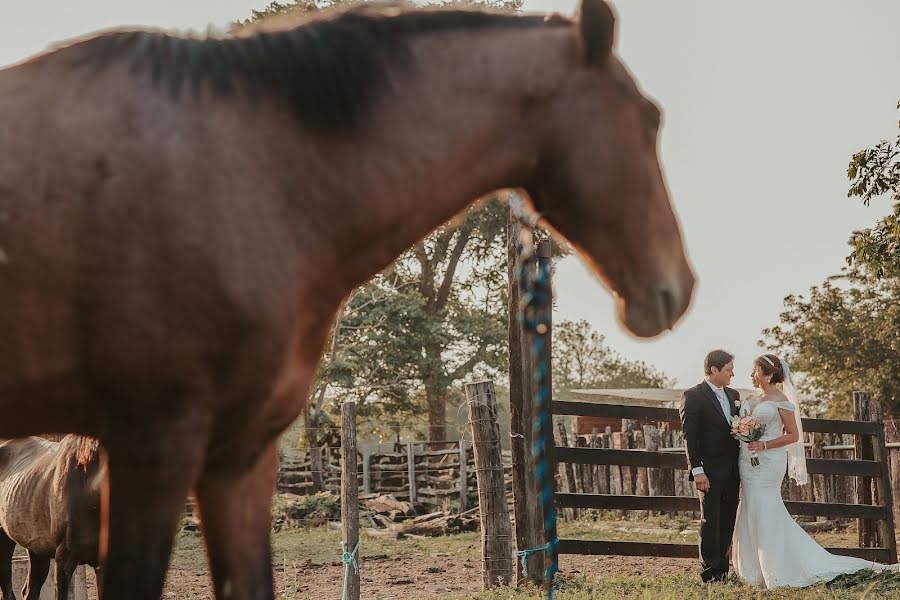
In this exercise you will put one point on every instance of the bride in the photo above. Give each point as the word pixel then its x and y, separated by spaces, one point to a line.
pixel 770 549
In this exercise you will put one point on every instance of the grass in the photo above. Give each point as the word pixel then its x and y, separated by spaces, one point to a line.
pixel 687 587
pixel 293 548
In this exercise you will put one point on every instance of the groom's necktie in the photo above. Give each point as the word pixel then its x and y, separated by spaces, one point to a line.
pixel 723 401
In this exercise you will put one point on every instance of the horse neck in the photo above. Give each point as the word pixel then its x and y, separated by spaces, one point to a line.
pixel 459 127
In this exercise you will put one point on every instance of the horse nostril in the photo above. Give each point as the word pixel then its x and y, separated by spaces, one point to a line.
pixel 666 306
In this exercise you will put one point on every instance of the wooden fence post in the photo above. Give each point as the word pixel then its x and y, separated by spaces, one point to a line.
pixel 350 494
pixel 651 441
pixel 892 436
pixel 570 469
pixel 496 531
pixel 867 529
pixel 367 470
pixel 463 476
pixel 527 505
pixel 871 411
pixel 411 471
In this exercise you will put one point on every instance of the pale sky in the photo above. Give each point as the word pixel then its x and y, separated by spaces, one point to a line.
pixel 764 103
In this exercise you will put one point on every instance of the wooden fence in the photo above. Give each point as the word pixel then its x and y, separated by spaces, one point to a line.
pixel 424 473
pixel 639 479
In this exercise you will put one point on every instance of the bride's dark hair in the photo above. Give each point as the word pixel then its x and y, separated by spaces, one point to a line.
pixel 771 365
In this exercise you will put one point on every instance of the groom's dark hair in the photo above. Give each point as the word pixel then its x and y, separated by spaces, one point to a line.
pixel 717 359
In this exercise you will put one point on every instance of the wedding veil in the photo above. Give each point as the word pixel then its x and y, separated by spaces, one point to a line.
pixel 796 452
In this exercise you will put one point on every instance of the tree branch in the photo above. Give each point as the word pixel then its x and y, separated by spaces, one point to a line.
pixel 465 233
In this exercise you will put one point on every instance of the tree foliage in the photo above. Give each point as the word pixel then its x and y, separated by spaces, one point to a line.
pixel 581 359
pixel 874 173
pixel 845 336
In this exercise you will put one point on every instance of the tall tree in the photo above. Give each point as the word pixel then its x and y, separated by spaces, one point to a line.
pixel 875 172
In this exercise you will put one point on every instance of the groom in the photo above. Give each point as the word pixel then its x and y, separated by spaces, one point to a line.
pixel 712 454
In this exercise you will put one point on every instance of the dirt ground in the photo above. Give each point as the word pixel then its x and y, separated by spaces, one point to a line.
pixel 307 562
pixel 438 574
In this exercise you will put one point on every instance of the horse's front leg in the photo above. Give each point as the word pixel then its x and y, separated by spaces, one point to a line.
pixel 65 568
pixel 7 547
pixel 151 470
pixel 236 514
pixel 38 568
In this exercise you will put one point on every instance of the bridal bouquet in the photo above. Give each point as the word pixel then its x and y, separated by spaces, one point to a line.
pixel 747 429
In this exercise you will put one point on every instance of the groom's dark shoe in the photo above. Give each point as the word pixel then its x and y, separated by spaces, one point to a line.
pixel 713 576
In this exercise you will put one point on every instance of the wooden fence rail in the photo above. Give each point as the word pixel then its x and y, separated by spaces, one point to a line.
pixel 415 471
pixel 646 470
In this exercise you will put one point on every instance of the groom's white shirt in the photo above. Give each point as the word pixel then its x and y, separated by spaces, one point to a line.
pixel 726 410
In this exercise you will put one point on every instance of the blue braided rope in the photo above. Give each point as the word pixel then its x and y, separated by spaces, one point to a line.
pixel 524 554
pixel 534 314
pixel 349 559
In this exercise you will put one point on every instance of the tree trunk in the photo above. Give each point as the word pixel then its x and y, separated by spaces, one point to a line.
pixel 437 414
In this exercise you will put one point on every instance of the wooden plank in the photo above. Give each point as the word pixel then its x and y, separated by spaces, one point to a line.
pixel 634 458
pixel 653 413
pixel 836 510
pixel 604 547
pixel 594 547
pixel 842 466
pixel 686 503
pixel 839 426
pixel 616 411
pixel 879 555
pixel 623 502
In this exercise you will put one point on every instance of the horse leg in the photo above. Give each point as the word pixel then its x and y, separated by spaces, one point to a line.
pixel 149 478
pixel 7 547
pixel 236 515
pixel 65 568
pixel 38 568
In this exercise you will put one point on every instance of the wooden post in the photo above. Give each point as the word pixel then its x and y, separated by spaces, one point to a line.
pixel 651 441
pixel 867 530
pixel 892 435
pixel 526 503
pixel 819 483
pixel 349 493
pixel 629 474
pixel 615 471
pixel 367 471
pixel 548 516
pixel 871 411
pixel 496 531
pixel 463 477
pixel 581 471
pixel 606 442
pixel 570 470
pixel 411 471
pixel 595 473
pixel 316 469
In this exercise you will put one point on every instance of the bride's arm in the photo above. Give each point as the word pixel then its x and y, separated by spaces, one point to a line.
pixel 790 433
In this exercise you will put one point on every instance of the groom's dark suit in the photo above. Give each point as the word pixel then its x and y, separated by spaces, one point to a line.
pixel 707 438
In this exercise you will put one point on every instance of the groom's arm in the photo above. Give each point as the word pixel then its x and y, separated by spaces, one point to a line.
pixel 689 412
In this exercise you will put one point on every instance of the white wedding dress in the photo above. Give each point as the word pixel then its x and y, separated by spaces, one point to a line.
pixel 769 549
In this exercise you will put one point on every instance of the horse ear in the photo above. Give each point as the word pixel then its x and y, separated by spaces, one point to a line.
pixel 597 31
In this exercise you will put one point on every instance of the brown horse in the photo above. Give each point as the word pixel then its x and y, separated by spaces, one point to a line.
pixel 49 505
pixel 180 219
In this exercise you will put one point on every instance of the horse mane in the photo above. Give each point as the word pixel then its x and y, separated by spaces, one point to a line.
pixel 87 452
pixel 329 70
